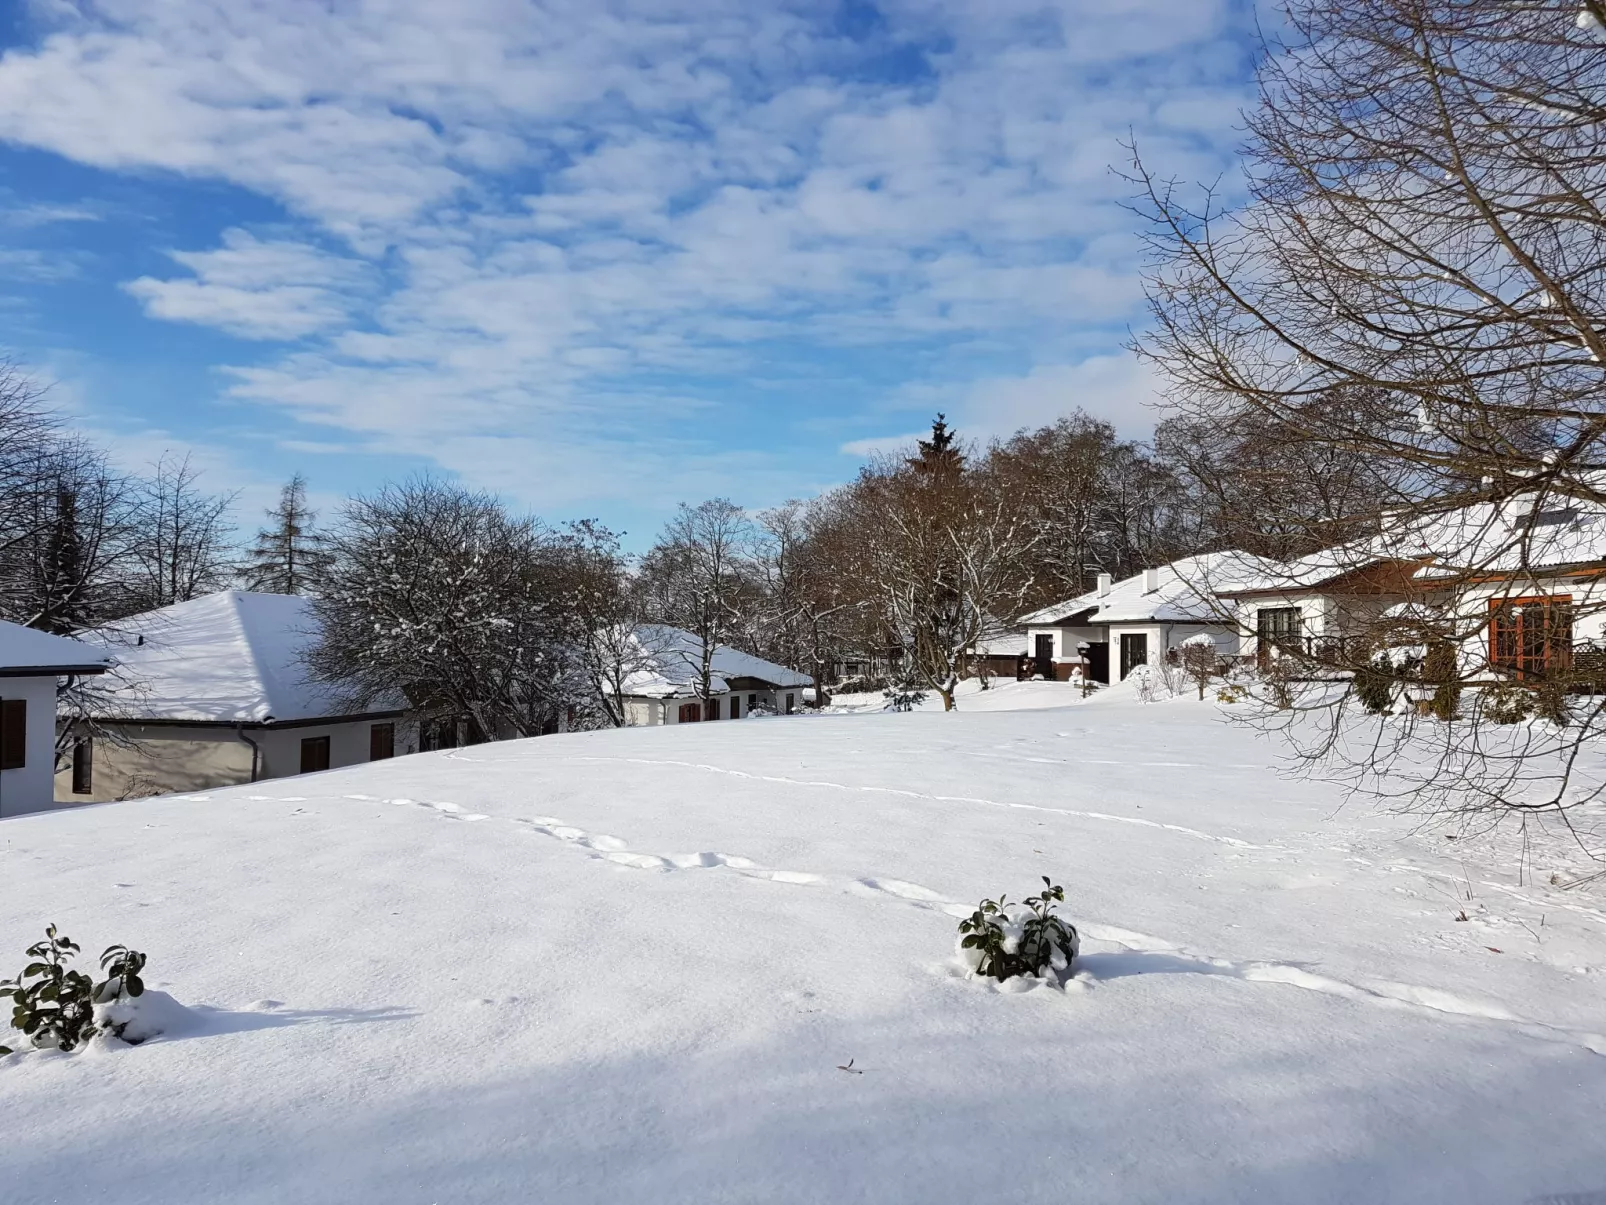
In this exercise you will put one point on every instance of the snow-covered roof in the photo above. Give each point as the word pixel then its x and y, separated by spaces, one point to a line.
pixel 28 650
pixel 1183 592
pixel 673 660
pixel 1524 532
pixel 231 657
pixel 1010 642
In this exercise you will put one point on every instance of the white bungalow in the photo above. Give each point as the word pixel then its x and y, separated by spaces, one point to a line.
pixel 1529 573
pixel 665 691
pixel 212 692
pixel 30 664
pixel 1137 620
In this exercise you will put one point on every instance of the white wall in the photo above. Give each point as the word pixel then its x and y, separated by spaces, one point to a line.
pixel 31 788
pixel 1162 637
pixel 166 758
pixel 644 712
pixel 1318 616
pixel 1065 640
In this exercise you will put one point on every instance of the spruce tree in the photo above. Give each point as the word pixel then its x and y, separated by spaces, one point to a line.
pixel 940 454
pixel 288 556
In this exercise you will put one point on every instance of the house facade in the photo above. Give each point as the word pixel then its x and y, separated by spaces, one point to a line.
pixel 665 690
pixel 1522 579
pixel 212 692
pixel 1120 625
pixel 31 662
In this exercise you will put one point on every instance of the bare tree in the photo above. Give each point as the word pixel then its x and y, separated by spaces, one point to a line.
pixel 605 610
pixel 1424 240
pixel 697 577
pixel 810 615
pixel 943 553
pixel 438 597
pixel 287 556
pixel 182 546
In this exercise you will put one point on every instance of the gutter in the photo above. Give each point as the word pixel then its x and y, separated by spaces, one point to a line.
pixel 256 751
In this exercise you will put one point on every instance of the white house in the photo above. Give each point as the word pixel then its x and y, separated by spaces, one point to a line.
pixel 1526 574
pixel 212 692
pixel 1137 620
pixel 665 689
pixel 30 663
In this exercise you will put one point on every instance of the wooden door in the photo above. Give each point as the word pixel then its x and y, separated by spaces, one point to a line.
pixel 1134 651
pixel 1043 655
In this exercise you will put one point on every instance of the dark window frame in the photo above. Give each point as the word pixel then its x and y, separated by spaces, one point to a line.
pixel 83 766
pixel 382 741
pixel 13 734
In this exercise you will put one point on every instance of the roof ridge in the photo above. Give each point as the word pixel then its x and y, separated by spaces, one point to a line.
pixel 253 657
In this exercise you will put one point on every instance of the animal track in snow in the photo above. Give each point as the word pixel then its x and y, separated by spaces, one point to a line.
pixel 450 810
pixel 903 792
pixel 1141 954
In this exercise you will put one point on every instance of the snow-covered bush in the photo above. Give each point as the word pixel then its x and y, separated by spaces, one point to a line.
pixel 58 1008
pixel 1004 941
pixel 1199 660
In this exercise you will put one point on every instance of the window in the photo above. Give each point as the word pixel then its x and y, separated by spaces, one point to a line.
pixel 713 709
pixel 314 754
pixel 789 699
pixel 1532 637
pixel 690 713
pixel 736 707
pixel 381 741
pixel 13 734
pixel 752 702
pixel 437 733
pixel 83 767
pixel 1278 627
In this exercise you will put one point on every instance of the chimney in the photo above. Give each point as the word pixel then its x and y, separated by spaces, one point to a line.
pixel 1104 584
pixel 1151 580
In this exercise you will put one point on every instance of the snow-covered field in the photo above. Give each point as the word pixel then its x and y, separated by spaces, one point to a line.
pixel 632 966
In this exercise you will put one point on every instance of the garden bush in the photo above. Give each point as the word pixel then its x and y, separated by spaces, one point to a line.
pixel 1003 940
pixel 54 1006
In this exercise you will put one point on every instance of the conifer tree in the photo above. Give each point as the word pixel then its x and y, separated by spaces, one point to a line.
pixel 940 454
pixel 289 555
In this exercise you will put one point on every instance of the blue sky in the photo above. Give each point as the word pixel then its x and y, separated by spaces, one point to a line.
pixel 598 255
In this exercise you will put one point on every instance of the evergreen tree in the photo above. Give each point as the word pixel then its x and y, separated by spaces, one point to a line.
pixel 62 610
pixel 940 454
pixel 288 556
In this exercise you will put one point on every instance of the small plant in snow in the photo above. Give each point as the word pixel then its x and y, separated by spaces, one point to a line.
pixel 903 698
pixel 55 1006
pixel 1004 941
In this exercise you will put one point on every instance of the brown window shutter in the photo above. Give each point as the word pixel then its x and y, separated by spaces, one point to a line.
pixel 381 742
pixel 314 754
pixel 13 734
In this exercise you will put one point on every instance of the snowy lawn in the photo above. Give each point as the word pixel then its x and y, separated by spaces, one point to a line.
pixel 631 966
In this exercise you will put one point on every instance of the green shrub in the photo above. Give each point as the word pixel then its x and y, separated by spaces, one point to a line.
pixel 1441 669
pixel 1507 703
pixel 1375 689
pixel 1004 941
pixel 54 1006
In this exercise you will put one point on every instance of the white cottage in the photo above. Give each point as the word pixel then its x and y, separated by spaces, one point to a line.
pixel 30 663
pixel 665 690
pixel 1137 620
pixel 213 692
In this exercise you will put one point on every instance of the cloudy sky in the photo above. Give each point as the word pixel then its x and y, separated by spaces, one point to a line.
pixel 598 255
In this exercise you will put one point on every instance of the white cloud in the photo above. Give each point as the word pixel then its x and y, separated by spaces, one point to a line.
pixel 563 217
pixel 1119 389
pixel 256 289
